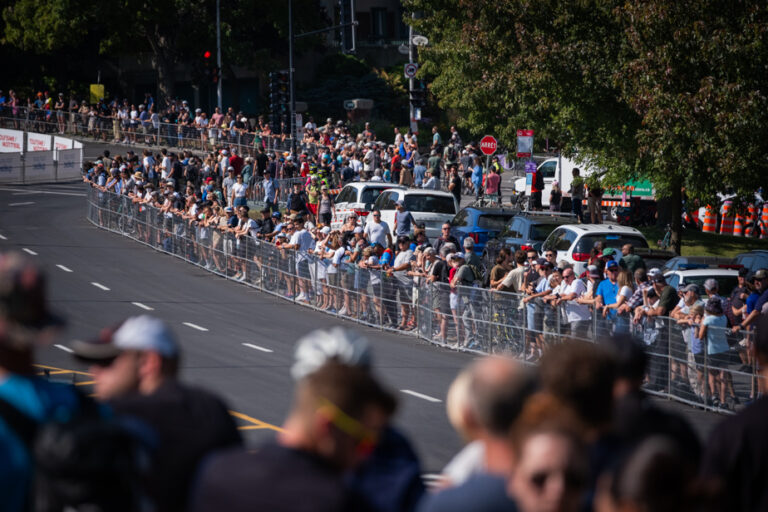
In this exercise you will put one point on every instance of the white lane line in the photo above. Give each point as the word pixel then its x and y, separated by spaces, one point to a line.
pixel 142 306
pixel 29 251
pixel 420 395
pixel 3 238
pixel 100 286
pixel 21 204
pixel 195 326
pixel 65 349
pixel 65 269
pixel 43 192
pixel 258 347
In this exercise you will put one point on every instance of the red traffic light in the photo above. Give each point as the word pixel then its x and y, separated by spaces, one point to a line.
pixel 207 54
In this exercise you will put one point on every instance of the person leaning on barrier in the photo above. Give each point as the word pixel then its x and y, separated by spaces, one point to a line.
pixel 515 278
pixel 499 271
pixel 736 453
pixel 578 315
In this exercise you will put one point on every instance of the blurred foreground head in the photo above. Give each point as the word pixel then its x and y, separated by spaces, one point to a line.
pixel 340 408
pixel 25 318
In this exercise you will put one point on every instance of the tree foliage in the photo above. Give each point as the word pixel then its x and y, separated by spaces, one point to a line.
pixel 669 91
pixel 174 32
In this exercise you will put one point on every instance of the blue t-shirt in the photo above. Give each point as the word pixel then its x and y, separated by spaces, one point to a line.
pixel 403 222
pixel 477 175
pixel 43 401
pixel 716 335
pixel 762 300
pixel 608 291
pixel 752 301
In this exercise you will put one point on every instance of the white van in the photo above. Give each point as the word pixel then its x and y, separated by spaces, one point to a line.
pixel 429 207
pixel 558 169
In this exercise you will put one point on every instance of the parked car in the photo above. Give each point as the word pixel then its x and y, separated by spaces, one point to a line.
pixel 573 242
pixel 526 231
pixel 358 198
pixel 432 208
pixel 727 278
pixel 481 224
pixel 681 262
pixel 753 260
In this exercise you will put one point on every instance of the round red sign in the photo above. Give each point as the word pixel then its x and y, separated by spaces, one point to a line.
pixel 488 145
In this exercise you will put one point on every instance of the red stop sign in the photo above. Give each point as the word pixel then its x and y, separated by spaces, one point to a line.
pixel 488 145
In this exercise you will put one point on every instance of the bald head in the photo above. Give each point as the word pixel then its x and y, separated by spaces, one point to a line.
pixel 499 387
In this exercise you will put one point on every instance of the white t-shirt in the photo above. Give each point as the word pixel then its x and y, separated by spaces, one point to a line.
pixel 165 167
pixel 253 227
pixel 369 160
pixel 303 239
pixel 574 311
pixel 338 255
pixel 375 274
pixel 322 265
pixel 402 258
pixel 377 232
pixel 239 189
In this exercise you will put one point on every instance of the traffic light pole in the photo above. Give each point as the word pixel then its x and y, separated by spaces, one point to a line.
pixel 218 54
pixel 291 82
pixel 292 97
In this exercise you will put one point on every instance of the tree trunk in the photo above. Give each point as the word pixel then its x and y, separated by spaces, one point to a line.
pixel 164 63
pixel 676 220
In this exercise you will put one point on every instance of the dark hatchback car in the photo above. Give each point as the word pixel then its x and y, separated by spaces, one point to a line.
pixel 481 224
pixel 526 231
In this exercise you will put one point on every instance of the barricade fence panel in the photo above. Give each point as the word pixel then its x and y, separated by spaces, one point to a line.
pixel 700 372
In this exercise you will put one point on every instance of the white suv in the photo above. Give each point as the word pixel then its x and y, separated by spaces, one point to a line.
pixel 573 242
pixel 358 198
pixel 429 207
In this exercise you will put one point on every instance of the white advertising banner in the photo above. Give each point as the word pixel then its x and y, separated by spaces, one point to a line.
pixel 38 142
pixel 76 144
pixel 11 141
pixel 10 168
pixel 60 143
pixel 70 164
pixel 39 167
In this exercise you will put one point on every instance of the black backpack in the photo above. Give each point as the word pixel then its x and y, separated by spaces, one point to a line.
pixel 88 463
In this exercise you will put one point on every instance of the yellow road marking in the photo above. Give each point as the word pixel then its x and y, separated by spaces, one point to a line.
pixel 254 423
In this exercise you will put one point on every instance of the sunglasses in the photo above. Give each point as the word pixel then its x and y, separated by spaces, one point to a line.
pixel 366 439
pixel 573 480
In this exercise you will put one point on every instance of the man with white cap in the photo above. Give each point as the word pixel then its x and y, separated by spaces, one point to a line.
pixel 135 370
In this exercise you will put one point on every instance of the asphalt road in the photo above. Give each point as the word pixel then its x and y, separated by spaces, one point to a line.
pixel 97 278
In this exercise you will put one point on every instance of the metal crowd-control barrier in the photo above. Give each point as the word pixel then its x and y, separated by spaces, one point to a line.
pixel 470 319
pixel 88 125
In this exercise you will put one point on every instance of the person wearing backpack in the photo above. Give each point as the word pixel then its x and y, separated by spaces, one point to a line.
pixel 135 372
pixel 58 449
pixel 537 187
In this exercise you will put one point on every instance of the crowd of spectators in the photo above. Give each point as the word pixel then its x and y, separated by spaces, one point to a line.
pixel 575 433
pixel 199 209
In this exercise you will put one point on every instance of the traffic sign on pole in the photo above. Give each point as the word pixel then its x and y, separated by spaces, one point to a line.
pixel 488 145
pixel 410 69
pixel 524 143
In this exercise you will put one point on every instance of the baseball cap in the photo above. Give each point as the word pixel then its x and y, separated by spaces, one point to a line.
pixel 691 288
pixel 229 209
pixel 761 274
pixel 710 284
pixel 541 261
pixel 143 333
pixel 658 278
pixel 612 264
pixel 399 202
pixel 402 239
pixel 654 271
pixel 459 255
pixel 276 214
pixel 345 346
pixel 325 230
pixel 609 251
pixel 468 242
pixel 358 229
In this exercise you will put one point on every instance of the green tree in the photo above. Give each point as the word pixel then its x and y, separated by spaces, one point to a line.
pixel 668 91
pixel 173 32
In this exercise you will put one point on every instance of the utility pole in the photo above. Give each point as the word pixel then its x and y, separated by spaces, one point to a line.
pixel 412 111
pixel 291 82
pixel 218 53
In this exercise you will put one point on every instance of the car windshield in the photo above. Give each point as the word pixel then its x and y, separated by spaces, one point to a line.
pixel 493 222
pixel 725 284
pixel 369 195
pixel 430 204
pixel 615 241
pixel 540 232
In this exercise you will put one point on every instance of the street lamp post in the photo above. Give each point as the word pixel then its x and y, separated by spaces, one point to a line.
pixel 218 53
